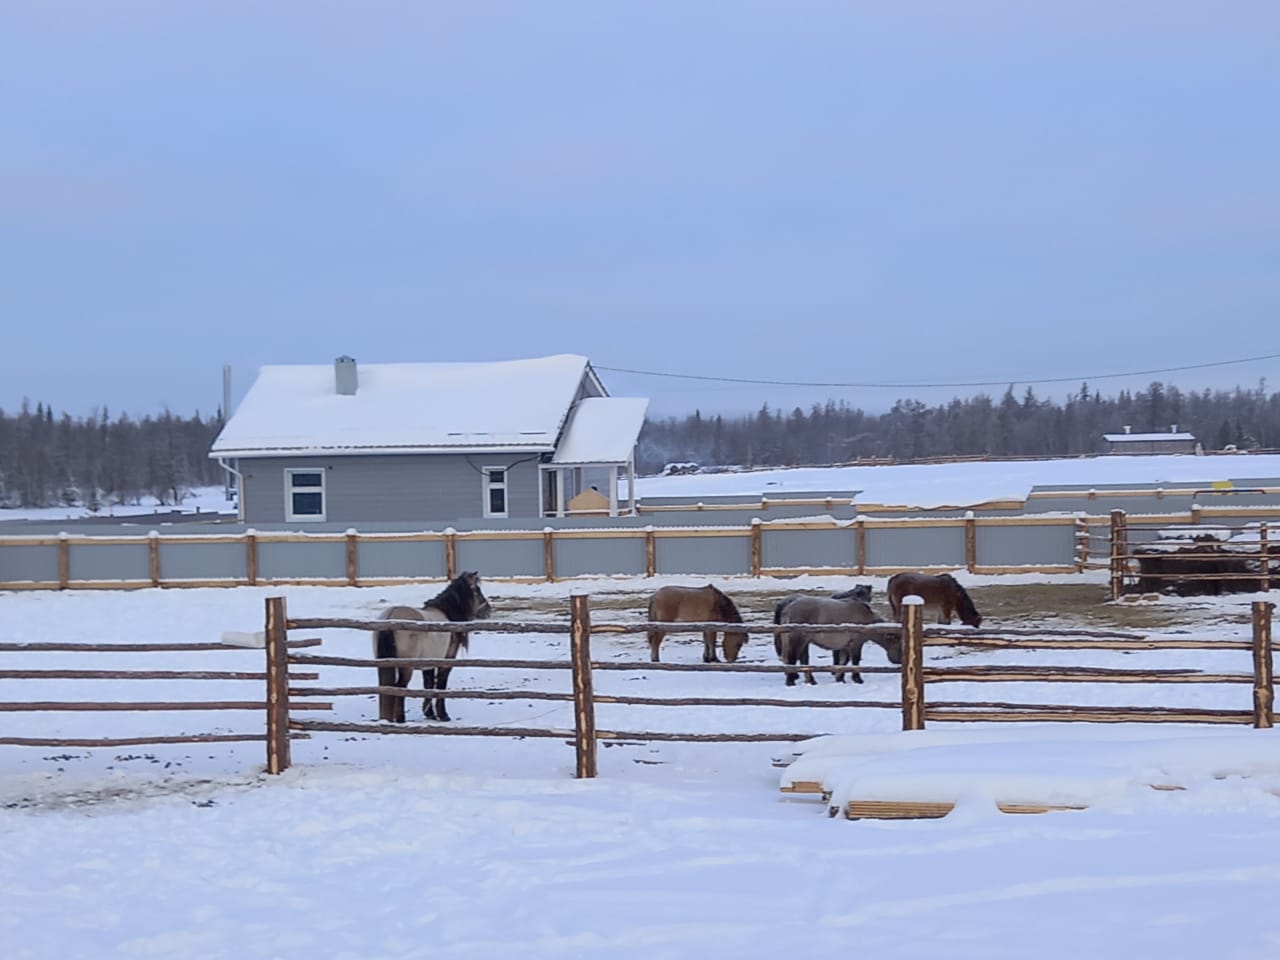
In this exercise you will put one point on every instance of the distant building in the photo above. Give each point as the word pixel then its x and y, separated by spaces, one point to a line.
pixel 1148 443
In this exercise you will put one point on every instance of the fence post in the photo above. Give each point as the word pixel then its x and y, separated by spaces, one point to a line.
pixel 912 663
pixel 1119 550
pixel 1082 544
pixel 584 704
pixel 970 542
pixel 353 552
pixel 860 544
pixel 450 553
pixel 278 759
pixel 1263 686
pixel 548 554
pixel 650 552
pixel 64 560
pixel 153 556
pixel 1264 560
pixel 757 549
pixel 251 556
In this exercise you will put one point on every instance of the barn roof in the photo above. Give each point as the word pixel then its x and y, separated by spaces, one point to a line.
pixel 517 405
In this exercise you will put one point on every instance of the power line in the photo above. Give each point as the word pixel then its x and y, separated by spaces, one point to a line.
pixel 927 384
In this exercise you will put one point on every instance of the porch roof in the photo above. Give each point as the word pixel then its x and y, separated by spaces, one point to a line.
pixel 602 430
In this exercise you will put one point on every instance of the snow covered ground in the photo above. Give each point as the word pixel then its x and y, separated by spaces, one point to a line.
pixel 464 847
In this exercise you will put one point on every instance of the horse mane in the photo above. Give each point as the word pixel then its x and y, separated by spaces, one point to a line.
pixel 964 603
pixel 454 601
pixel 725 609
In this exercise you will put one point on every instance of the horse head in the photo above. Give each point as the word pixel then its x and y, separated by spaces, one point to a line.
pixel 477 602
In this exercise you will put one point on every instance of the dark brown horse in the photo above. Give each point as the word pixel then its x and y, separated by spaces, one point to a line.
pixel 941 591
pixel 695 605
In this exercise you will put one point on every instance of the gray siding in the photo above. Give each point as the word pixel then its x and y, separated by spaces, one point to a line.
pixel 408 489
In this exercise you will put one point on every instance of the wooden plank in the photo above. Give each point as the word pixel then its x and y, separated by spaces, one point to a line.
pixel 803 786
pixel 933 810
pixel 135 741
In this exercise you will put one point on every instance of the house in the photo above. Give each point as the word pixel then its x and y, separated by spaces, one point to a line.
pixel 1171 442
pixel 428 442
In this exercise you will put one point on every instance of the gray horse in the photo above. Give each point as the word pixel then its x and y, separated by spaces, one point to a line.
pixel 793 645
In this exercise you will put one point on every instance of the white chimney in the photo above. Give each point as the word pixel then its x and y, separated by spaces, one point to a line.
pixel 345 378
pixel 1127 428
pixel 1173 428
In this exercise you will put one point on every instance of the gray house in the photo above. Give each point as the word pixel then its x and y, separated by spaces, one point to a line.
pixel 1131 443
pixel 430 442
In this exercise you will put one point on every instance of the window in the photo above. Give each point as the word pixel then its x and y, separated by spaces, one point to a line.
pixel 495 491
pixel 304 494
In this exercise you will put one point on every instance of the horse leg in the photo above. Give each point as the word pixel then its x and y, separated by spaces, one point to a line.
pixel 838 659
pixel 854 652
pixel 385 646
pixel 402 678
pixel 789 657
pixel 709 646
pixel 655 640
pixel 442 682
pixel 428 685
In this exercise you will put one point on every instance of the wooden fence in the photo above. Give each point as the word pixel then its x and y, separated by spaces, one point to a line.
pixel 286 677
pixel 867 545
pixel 139 706
pixel 1188 555
pixel 914 674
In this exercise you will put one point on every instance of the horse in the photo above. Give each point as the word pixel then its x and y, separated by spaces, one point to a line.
pixel 461 600
pixel 941 591
pixel 859 591
pixel 695 605
pixel 846 647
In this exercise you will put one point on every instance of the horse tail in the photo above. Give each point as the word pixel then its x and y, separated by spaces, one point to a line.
pixel 891 590
pixel 384 644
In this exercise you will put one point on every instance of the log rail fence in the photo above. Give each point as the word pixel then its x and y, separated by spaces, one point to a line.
pixel 289 679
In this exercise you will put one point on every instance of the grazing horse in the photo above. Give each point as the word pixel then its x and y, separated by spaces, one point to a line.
pixel 941 591
pixel 695 605
pixel 793 645
pixel 460 600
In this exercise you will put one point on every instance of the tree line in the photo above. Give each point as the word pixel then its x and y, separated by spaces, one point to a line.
pixel 1011 426
pixel 97 461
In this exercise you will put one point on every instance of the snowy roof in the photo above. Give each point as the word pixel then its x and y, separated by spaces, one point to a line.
pixel 602 430
pixel 406 408
pixel 1146 437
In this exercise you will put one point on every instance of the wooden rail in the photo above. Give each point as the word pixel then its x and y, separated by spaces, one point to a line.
pixel 141 706
pixel 916 677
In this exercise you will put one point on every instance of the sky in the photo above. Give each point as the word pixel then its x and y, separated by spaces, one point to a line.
pixel 908 199
pixel 465 847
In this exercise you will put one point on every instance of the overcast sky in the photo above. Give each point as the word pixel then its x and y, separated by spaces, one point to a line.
pixel 852 192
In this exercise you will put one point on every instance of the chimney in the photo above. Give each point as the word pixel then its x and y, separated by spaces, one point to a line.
pixel 1127 428
pixel 1173 428
pixel 345 378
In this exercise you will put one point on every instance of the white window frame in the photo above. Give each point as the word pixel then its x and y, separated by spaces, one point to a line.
pixel 488 485
pixel 289 491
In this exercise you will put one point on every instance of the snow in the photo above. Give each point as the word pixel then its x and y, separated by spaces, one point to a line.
pixel 970 483
pixel 402 846
pixel 405 407
pixel 602 430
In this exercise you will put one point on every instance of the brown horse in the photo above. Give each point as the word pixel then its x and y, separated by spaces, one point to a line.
pixel 695 605
pixel 941 591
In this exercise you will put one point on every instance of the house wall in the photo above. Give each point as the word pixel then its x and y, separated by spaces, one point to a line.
pixel 410 488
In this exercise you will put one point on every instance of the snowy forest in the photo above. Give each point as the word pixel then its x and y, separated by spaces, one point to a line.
pixel 97 461
pixel 1012 426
